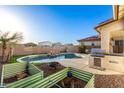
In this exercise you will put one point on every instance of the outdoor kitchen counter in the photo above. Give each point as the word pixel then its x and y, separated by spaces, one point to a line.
pixel 82 64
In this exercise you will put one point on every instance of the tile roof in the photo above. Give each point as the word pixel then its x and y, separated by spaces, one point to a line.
pixel 91 38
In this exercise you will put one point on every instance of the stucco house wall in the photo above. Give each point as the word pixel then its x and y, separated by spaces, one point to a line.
pixel 111 30
pixel 106 33
pixel 115 63
pixel 89 43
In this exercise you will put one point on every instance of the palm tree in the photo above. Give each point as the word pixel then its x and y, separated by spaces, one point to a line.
pixel 7 41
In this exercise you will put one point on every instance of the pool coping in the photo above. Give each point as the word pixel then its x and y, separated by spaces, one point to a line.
pixel 30 56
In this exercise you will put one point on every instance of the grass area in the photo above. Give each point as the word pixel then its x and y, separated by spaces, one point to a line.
pixel 14 58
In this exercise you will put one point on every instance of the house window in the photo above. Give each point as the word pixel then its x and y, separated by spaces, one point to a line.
pixel 118 46
pixel 93 44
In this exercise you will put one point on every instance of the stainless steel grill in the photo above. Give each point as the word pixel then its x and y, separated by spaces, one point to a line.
pixel 97 52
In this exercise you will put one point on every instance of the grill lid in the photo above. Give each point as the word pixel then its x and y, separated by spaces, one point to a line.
pixel 97 52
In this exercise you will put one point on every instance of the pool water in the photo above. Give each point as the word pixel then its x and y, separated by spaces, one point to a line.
pixel 50 58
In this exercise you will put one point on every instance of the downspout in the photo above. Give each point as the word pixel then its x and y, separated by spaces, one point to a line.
pixel 115 12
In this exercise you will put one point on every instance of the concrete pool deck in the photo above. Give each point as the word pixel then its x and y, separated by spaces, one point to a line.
pixel 82 64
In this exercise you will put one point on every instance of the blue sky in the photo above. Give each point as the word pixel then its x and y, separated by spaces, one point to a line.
pixel 64 24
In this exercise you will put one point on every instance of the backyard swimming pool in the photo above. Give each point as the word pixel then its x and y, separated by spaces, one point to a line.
pixel 48 58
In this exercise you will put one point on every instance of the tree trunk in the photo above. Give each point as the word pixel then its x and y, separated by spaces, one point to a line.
pixel 3 54
pixel 3 51
pixel 9 55
pixel 0 72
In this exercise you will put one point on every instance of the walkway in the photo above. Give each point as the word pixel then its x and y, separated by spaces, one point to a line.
pixel 82 64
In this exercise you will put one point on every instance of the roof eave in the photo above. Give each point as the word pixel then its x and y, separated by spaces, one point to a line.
pixel 115 17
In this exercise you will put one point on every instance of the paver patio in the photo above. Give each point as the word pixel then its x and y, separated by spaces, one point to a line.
pixel 82 64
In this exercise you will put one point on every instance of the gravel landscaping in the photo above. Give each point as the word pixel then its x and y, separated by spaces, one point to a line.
pixel 109 81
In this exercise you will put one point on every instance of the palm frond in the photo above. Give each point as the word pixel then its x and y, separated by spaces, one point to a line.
pixel 16 37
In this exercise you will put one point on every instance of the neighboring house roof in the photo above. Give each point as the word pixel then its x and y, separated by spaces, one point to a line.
pixel 91 38
pixel 45 42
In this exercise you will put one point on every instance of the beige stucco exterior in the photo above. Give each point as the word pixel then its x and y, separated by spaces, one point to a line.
pixel 121 11
pixel 115 63
pixel 89 43
pixel 110 31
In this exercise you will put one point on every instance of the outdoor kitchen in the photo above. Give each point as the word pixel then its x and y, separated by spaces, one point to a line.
pixel 111 54
pixel 101 61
